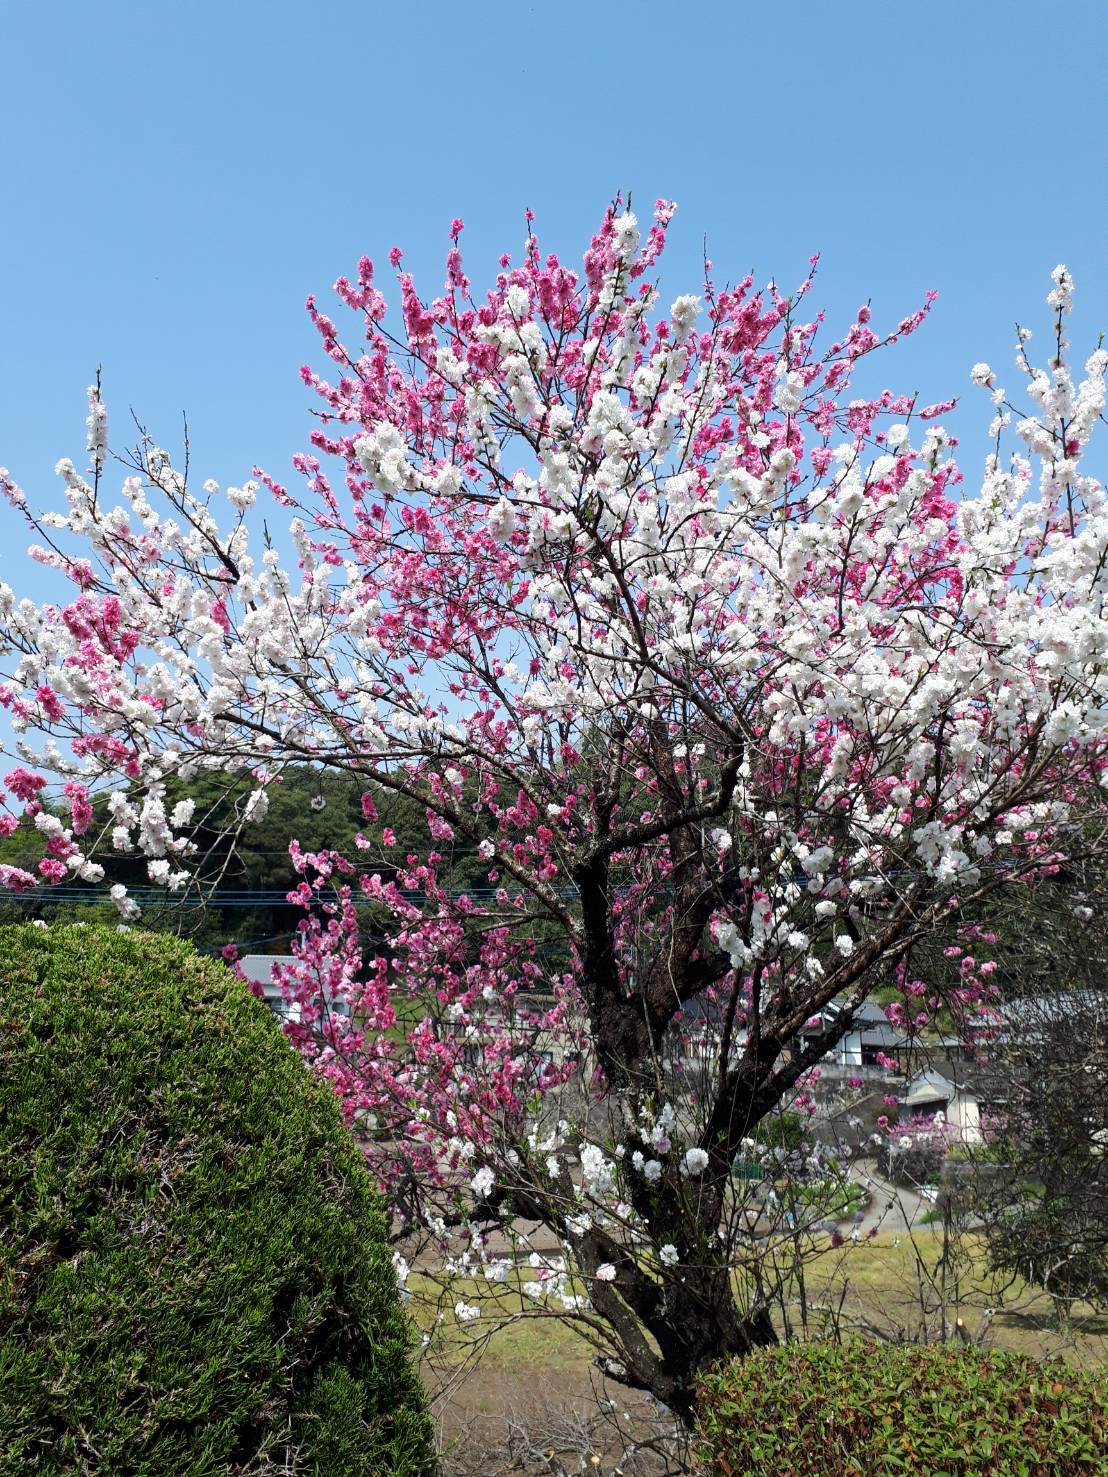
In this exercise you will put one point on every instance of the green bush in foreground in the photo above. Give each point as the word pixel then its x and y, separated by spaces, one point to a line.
pixel 828 1410
pixel 194 1276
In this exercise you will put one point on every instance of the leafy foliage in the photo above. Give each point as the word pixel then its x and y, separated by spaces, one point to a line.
pixel 783 1130
pixel 872 1410
pixel 836 1196
pixel 1055 1245
pixel 196 1277
pixel 1049 1070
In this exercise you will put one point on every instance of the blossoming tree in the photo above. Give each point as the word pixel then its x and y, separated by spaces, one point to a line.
pixel 728 687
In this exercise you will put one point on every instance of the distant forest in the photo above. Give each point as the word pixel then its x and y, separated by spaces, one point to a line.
pixel 1049 934
pixel 243 868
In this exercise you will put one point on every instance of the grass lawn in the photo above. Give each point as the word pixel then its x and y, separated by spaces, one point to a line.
pixel 875 1282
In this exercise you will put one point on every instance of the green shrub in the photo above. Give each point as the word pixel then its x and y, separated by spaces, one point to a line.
pixel 837 1198
pixel 194 1275
pixel 1053 1244
pixel 782 1131
pixel 993 1151
pixel 874 1410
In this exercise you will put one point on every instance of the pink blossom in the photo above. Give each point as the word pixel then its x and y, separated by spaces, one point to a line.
pixel 23 784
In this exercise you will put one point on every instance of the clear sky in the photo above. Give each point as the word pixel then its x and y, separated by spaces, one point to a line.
pixel 179 177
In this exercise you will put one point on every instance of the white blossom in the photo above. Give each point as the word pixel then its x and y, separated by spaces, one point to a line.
pixel 694 1163
pixel 482 1182
pixel 502 519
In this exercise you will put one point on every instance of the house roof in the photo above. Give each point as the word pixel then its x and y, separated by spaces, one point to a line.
pixel 868 1021
pixel 881 1033
pixel 868 1013
pixel 1036 1012
pixel 928 1087
pixel 259 967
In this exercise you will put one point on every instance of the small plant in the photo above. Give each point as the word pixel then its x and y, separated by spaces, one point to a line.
pixel 874 1410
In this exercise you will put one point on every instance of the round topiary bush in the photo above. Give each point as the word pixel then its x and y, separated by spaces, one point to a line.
pixel 874 1410
pixel 194 1274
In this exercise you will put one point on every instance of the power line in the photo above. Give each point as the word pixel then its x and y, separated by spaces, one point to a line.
pixel 232 897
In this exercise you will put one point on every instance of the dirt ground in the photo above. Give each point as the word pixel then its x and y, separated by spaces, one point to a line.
pixel 534 1419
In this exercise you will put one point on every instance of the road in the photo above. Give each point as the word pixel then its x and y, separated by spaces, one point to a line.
pixel 891 1207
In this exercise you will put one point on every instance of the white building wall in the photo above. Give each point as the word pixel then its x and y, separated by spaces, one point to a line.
pixel 965 1112
pixel 848 1053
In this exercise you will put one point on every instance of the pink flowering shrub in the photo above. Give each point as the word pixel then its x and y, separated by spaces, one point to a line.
pixel 716 670
pixel 913 1151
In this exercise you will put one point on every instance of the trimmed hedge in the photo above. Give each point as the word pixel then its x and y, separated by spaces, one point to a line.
pixel 874 1410
pixel 194 1274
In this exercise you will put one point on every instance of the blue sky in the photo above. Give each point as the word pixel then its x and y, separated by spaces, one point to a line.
pixel 178 178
